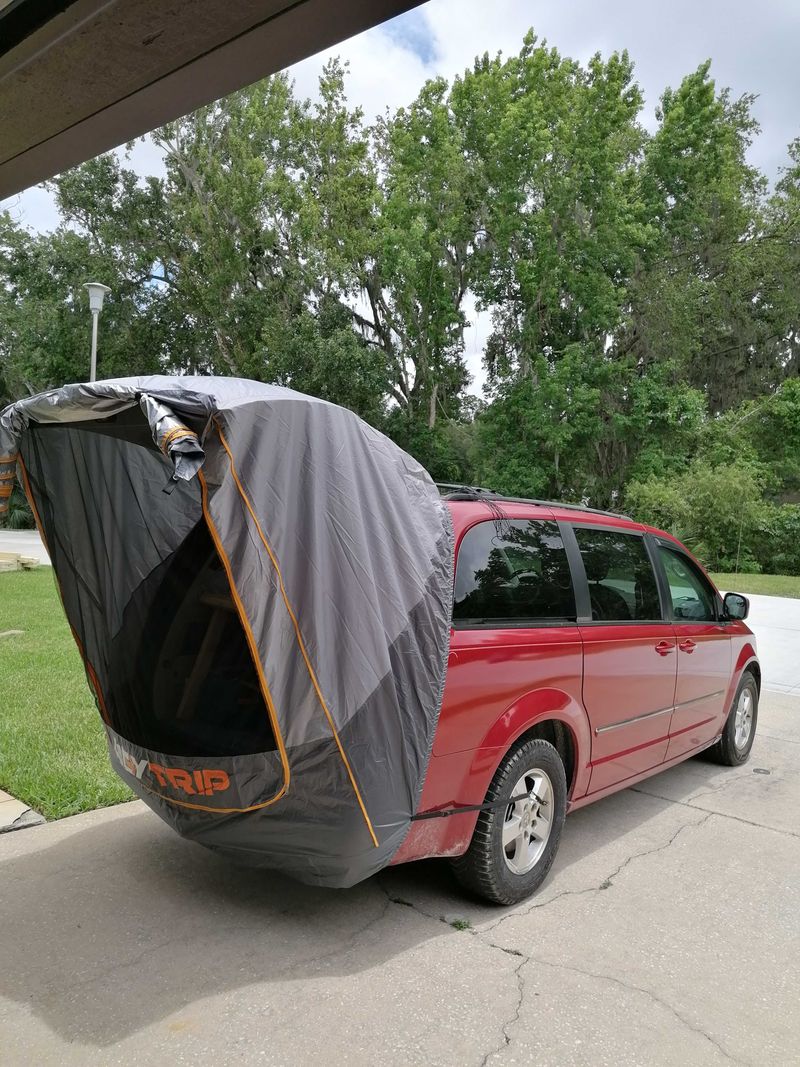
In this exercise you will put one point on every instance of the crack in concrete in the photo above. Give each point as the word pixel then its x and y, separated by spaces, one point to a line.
pixel 349 944
pixel 784 740
pixel 514 1018
pixel 112 968
pixel 517 972
pixel 732 780
pixel 524 958
pixel 403 903
pixel 283 971
pixel 24 821
pixel 720 814
pixel 606 883
pixel 648 993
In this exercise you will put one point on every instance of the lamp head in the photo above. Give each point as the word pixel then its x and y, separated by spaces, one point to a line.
pixel 96 294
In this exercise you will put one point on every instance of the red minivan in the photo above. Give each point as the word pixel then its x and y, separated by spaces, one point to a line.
pixel 587 652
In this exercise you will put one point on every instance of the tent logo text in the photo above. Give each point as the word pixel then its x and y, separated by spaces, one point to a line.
pixel 201 783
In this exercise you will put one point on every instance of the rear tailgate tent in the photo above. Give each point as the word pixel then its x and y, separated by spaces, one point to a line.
pixel 260 586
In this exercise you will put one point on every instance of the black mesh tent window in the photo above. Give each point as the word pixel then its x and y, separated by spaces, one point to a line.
pixel 166 654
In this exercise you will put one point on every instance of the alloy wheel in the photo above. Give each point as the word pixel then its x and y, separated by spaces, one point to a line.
pixel 528 822
pixel 743 723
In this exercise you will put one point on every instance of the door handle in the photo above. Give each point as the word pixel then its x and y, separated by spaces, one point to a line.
pixel 687 646
pixel 663 648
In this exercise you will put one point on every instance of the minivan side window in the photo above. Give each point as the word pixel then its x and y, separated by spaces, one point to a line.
pixel 512 571
pixel 622 583
pixel 693 598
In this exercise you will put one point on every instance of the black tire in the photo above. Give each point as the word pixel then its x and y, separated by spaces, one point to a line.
pixel 726 751
pixel 485 868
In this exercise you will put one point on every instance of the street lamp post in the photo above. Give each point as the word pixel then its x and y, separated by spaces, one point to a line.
pixel 97 293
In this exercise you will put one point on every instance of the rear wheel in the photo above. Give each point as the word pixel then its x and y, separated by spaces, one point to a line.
pixel 733 748
pixel 516 840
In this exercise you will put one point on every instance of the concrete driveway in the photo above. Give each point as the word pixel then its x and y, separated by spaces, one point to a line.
pixel 25 542
pixel 667 933
pixel 775 620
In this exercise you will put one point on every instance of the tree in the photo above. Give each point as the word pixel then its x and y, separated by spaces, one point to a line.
pixel 558 146
pixel 566 231
pixel 705 298
pixel 643 330
pixel 418 282
pixel 44 319
pixel 765 432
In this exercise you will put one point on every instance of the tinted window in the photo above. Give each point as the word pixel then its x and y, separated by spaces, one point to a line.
pixel 692 596
pixel 510 570
pixel 622 583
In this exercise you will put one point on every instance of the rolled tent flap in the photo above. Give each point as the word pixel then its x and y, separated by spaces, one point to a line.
pixel 173 438
pixel 267 640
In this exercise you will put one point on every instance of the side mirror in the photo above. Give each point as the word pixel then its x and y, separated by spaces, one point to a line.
pixel 736 606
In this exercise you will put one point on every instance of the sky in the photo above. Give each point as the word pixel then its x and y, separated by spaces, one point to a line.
pixel 753 48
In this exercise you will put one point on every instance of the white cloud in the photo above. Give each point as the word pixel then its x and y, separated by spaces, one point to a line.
pixel 145 158
pixel 34 208
pixel 383 72
pixel 476 335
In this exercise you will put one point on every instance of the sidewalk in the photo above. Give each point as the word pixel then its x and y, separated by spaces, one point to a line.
pixel 14 815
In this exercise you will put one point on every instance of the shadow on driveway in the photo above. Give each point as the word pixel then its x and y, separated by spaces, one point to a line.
pixel 118 925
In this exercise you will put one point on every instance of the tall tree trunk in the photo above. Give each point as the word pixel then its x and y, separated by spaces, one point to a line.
pixel 432 406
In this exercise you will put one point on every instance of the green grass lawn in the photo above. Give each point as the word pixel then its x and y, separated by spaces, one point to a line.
pixel 768 584
pixel 53 752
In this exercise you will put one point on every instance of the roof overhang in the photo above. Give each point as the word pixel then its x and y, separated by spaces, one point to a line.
pixel 78 77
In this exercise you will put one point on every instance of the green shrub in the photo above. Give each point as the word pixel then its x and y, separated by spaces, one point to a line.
pixel 659 502
pixel 716 511
pixel 776 542
pixel 19 516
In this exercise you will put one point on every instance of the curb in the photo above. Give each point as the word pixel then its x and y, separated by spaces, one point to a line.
pixel 14 815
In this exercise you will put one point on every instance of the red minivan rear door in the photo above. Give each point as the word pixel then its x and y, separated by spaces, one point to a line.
pixel 630 652
pixel 704 652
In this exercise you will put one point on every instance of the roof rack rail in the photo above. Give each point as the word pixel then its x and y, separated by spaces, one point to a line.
pixel 478 492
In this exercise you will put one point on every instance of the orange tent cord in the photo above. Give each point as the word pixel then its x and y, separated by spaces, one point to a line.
pixel 174 435
pixel 204 807
pixel 300 641
pixel 251 644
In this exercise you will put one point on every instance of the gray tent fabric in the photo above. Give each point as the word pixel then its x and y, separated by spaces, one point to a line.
pixel 260 585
